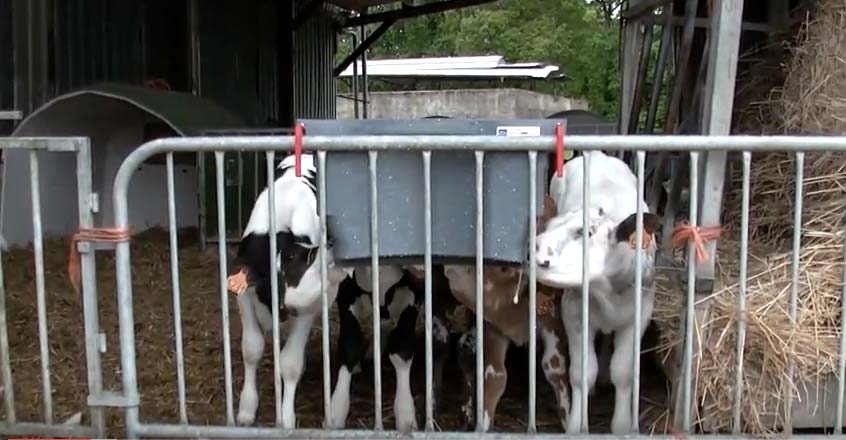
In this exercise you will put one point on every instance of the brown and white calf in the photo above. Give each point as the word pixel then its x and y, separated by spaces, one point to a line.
pixel 506 315
pixel 612 273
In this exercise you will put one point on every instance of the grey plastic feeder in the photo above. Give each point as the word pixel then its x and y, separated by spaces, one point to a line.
pixel 400 193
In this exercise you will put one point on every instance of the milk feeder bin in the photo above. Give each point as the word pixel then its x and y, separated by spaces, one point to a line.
pixel 401 222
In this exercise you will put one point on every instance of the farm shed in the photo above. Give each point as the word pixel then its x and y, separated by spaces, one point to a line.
pixel 116 119
pixel 220 42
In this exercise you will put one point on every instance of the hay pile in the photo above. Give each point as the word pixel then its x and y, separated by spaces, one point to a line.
pixel 810 99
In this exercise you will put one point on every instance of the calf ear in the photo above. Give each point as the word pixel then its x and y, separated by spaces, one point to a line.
pixel 628 227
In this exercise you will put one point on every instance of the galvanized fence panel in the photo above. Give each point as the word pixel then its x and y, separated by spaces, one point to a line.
pixel 692 146
pixel 81 148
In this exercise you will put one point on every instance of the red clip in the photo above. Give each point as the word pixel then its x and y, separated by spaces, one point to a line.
pixel 559 148
pixel 298 149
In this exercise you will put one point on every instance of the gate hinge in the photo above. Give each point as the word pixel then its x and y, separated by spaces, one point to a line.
pixel 112 399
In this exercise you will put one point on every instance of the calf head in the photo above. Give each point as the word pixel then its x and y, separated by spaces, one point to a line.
pixel 559 252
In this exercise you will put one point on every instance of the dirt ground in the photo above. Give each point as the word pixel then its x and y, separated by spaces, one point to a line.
pixel 203 349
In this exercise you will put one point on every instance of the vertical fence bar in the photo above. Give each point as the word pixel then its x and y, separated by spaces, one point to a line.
pixel 88 270
pixel 841 358
pixel 224 298
pixel 374 272
pixel 41 299
pixel 201 200
pixel 324 283
pixel 240 194
pixel 427 261
pixel 641 165
pixel 585 294
pixel 691 295
pixel 126 319
pixel 89 286
pixel 256 190
pixel 174 278
pixel 533 290
pixel 480 279
pixel 794 283
pixel 274 284
pixel 5 361
pixel 741 294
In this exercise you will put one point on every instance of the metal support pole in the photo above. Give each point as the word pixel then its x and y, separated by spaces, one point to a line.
pixel 718 103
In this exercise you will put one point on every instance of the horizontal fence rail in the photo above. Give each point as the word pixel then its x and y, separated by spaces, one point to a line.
pixel 34 148
pixel 676 143
pixel 426 146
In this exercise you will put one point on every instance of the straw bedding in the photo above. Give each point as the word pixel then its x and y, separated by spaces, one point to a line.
pixel 201 326
pixel 806 93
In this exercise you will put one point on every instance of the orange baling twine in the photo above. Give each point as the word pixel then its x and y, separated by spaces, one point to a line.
pixel 686 232
pixel 105 235
pixel 237 283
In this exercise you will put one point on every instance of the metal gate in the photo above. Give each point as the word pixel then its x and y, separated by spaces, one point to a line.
pixel 693 146
pixel 87 204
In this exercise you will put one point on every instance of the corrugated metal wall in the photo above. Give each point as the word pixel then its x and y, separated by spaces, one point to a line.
pixel 56 46
pixel 314 80
pixel 61 45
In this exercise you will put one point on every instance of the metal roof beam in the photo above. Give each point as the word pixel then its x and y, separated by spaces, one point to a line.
pixel 412 11
pixel 358 51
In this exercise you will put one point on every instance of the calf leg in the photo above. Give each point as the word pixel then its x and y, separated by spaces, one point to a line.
pixel 401 353
pixel 351 349
pixel 495 375
pixel 293 362
pixel 621 376
pixel 440 354
pixel 466 353
pixel 252 349
pixel 574 343
pixel 554 363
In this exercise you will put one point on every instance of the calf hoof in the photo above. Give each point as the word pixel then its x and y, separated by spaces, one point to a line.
pixel 406 426
pixel 289 422
pixel 334 424
pixel 621 425
pixel 245 419
pixel 469 418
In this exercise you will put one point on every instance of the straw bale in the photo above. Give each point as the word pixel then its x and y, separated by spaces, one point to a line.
pixel 800 94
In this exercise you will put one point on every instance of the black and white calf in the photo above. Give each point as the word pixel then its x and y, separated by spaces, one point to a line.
pixel 611 240
pixel 297 264
pixel 401 300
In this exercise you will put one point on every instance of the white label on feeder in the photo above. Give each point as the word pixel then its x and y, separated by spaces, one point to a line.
pixel 518 131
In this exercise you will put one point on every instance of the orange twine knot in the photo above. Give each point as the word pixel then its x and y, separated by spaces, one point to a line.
pixel 237 283
pixel 103 235
pixel 685 232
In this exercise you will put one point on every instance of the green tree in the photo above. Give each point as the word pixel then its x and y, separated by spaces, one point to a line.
pixel 579 36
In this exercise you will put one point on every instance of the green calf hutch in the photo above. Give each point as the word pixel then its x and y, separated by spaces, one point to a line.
pixel 117 119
